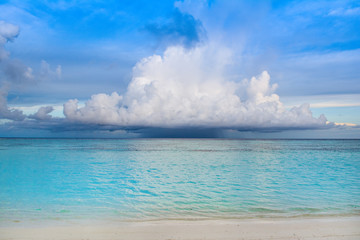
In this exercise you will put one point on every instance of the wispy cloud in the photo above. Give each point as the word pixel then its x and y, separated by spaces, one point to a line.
pixel 325 100
pixel 181 28
pixel 8 32
pixel 345 12
pixel 47 73
pixel 346 124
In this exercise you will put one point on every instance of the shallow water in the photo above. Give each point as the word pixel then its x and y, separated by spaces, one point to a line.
pixel 151 179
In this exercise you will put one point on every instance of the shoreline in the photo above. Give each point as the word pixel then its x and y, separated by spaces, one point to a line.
pixel 278 228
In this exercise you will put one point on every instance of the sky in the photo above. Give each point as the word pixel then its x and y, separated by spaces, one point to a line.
pixel 232 69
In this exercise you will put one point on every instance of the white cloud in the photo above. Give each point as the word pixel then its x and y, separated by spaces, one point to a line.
pixel 58 71
pixel 8 32
pixel 14 73
pixel 325 101
pixel 32 109
pixel 345 12
pixel 47 73
pixel 42 113
pixel 189 88
pixel 5 111
pixel 345 124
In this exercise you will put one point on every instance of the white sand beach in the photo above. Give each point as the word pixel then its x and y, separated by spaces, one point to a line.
pixel 335 228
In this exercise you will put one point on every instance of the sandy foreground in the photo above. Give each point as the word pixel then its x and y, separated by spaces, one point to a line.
pixel 305 228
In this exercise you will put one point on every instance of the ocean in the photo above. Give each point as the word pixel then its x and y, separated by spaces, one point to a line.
pixel 156 179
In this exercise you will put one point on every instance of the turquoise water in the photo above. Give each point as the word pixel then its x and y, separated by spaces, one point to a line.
pixel 151 179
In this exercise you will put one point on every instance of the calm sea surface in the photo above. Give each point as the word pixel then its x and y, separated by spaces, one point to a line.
pixel 130 180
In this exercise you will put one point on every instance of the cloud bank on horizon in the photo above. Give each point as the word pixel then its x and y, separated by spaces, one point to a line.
pixel 194 80
pixel 188 88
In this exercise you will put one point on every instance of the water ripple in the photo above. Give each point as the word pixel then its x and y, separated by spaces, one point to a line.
pixel 177 179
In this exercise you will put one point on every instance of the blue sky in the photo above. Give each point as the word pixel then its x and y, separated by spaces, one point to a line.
pixel 79 49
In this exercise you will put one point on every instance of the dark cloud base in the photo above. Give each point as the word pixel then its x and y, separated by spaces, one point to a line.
pixel 62 128
pixel 181 133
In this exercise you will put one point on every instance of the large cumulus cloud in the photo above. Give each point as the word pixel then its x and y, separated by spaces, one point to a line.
pixel 190 88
